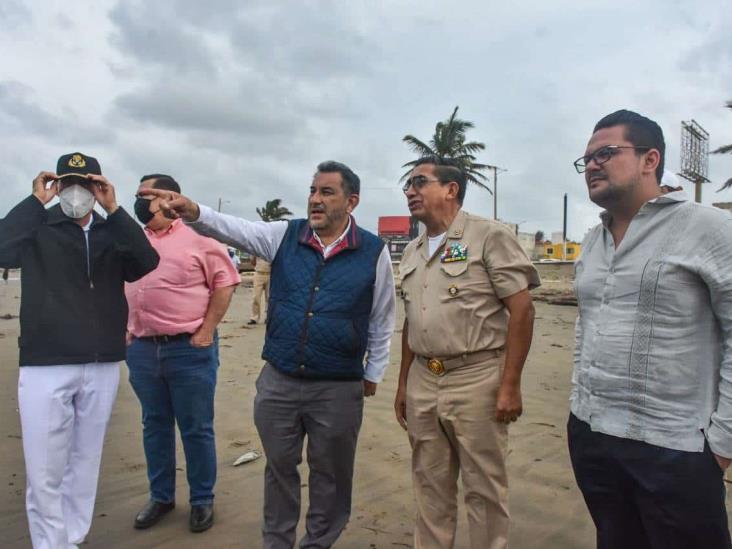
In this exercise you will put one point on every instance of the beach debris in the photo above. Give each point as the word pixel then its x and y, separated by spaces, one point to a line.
pixel 246 458
pixel 239 443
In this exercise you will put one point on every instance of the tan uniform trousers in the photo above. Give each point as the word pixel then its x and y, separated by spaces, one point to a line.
pixel 261 286
pixel 452 429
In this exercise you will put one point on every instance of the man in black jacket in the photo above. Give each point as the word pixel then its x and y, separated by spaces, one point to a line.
pixel 73 315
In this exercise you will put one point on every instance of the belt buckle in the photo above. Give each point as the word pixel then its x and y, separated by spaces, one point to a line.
pixel 436 366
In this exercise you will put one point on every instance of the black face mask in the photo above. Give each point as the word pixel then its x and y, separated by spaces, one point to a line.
pixel 142 210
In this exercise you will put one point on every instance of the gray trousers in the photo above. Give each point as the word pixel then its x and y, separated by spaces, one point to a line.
pixel 329 412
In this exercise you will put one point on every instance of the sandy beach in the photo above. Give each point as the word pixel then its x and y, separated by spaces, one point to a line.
pixel 546 508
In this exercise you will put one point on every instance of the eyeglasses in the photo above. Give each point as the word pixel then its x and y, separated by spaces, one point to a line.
pixel 418 181
pixel 602 155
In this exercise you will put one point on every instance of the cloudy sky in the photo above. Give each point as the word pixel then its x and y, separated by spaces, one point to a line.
pixel 239 100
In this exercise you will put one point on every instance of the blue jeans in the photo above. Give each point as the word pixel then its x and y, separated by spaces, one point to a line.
pixel 176 382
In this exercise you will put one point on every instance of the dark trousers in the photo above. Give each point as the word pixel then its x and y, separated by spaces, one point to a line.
pixel 176 382
pixel 642 496
pixel 286 409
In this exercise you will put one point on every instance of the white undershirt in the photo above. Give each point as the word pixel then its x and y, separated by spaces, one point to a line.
pixel 434 242
pixel 263 239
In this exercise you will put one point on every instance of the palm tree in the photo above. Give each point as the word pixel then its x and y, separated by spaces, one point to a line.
pixel 448 142
pixel 725 149
pixel 273 211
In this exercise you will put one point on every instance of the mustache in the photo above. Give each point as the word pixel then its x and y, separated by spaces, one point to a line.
pixel 598 174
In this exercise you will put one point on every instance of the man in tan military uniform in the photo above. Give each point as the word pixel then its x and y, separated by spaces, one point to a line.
pixel 467 331
pixel 262 271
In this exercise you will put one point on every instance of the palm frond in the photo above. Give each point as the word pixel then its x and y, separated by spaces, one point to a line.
pixel 473 147
pixel 273 211
pixel 449 142
pixel 471 178
pixel 727 185
pixel 725 149
pixel 478 175
pixel 418 146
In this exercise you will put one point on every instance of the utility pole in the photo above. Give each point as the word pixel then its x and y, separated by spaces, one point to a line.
pixel 222 202
pixel 496 171
pixel 564 231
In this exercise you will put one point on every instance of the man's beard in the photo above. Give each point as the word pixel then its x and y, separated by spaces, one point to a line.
pixel 612 193
pixel 328 219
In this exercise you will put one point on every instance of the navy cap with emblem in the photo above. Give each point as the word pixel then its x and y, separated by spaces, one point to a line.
pixel 77 164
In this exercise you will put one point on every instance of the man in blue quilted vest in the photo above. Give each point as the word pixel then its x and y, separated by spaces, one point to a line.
pixel 331 304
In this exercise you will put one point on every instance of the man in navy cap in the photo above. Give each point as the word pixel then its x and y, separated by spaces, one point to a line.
pixel 73 314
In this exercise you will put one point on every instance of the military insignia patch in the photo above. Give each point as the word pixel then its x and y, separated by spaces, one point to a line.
pixel 453 290
pixel 77 161
pixel 454 252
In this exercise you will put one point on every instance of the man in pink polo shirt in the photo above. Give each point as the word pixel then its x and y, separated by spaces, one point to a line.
pixel 173 355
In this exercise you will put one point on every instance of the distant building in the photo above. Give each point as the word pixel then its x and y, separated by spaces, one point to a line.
pixel 557 251
pixel 396 231
pixel 528 244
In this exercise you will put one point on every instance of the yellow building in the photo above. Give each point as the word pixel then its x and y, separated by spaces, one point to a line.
pixel 555 251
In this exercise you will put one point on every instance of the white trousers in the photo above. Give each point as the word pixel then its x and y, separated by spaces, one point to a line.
pixel 64 411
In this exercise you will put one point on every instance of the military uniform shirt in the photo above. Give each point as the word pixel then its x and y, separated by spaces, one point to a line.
pixel 454 307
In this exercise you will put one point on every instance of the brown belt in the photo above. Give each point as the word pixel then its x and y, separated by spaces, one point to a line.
pixel 440 366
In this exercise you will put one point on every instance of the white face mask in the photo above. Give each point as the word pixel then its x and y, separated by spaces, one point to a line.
pixel 76 201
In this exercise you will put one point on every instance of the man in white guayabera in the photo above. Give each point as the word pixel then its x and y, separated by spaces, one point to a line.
pixel 650 432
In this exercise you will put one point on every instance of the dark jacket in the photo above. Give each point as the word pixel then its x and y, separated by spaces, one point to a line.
pixel 73 308
pixel 319 309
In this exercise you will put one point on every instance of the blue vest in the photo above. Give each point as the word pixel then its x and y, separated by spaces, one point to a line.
pixel 318 317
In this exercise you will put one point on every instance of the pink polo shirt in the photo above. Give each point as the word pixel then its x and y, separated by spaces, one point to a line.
pixel 174 298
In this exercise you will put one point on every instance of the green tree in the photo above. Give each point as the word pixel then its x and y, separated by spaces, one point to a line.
pixel 449 142
pixel 725 149
pixel 273 211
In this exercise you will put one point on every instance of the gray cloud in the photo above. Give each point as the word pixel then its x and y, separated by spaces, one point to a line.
pixel 21 111
pixel 150 34
pixel 240 100
pixel 14 14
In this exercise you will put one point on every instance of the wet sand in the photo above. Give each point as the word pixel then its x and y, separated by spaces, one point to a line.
pixel 546 508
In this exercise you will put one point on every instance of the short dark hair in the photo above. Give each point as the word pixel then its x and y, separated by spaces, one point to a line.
pixel 350 181
pixel 162 181
pixel 640 131
pixel 446 170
